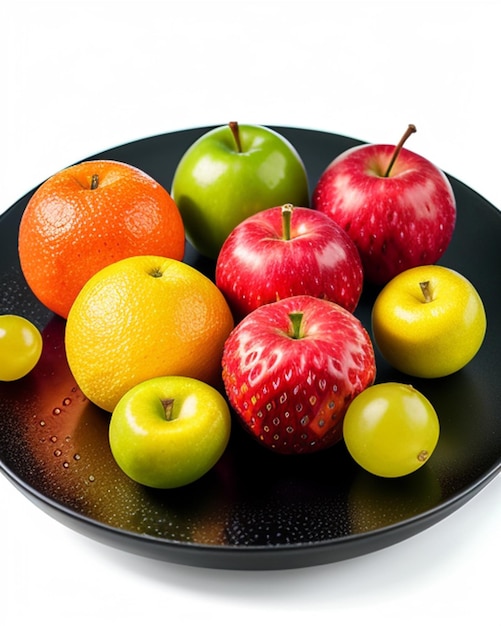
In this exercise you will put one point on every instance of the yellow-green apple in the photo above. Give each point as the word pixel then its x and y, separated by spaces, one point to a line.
pixel 292 367
pixel 429 321
pixel 398 207
pixel 169 431
pixel 391 429
pixel 230 173
pixel 288 251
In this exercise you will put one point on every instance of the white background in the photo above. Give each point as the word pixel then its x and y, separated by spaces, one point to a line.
pixel 80 77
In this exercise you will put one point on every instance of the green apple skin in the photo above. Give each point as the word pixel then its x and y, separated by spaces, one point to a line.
pixel 216 186
pixel 166 451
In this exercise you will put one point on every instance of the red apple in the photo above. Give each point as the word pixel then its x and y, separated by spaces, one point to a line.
pixel 288 251
pixel 291 369
pixel 398 208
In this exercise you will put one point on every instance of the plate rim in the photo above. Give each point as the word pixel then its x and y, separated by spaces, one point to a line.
pixel 257 557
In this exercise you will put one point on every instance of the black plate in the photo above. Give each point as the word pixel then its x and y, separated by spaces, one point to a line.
pixel 254 510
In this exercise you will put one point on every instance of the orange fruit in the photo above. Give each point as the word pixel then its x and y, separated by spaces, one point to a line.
pixel 88 216
pixel 143 317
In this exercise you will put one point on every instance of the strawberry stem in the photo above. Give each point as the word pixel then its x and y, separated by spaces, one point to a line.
pixel 168 405
pixel 286 221
pixel 236 135
pixel 410 129
pixel 296 319
pixel 426 291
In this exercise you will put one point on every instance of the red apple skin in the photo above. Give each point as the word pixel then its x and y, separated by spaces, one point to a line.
pixel 291 394
pixel 258 266
pixel 397 221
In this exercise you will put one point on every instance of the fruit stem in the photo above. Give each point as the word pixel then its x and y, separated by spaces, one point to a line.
pixel 94 183
pixel 168 405
pixel 236 135
pixel 410 129
pixel 296 318
pixel 426 291
pixel 286 221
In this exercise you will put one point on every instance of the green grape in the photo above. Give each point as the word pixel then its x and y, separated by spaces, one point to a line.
pixel 20 347
pixel 391 429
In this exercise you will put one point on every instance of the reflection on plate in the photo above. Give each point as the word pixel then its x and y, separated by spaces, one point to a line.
pixel 254 510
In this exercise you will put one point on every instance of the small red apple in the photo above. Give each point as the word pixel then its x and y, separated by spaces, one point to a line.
pixel 398 208
pixel 291 369
pixel 288 251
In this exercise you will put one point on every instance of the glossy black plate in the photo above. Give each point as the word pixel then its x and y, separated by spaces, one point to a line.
pixel 254 510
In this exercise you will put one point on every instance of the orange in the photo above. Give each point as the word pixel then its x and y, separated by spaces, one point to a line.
pixel 88 216
pixel 143 317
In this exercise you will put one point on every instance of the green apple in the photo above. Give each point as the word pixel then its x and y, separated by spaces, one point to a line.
pixel 429 321
pixel 169 431
pixel 230 173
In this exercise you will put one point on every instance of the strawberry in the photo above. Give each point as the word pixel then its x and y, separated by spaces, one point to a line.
pixel 292 367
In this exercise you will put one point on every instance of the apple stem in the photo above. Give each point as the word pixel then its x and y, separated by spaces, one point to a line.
pixel 410 129
pixel 94 183
pixel 286 221
pixel 426 291
pixel 296 318
pixel 236 134
pixel 168 405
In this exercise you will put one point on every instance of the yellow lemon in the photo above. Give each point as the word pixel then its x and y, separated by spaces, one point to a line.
pixel 143 317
